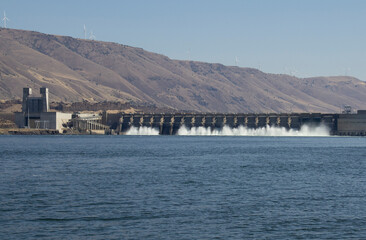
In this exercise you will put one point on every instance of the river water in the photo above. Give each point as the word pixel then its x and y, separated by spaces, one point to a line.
pixel 182 187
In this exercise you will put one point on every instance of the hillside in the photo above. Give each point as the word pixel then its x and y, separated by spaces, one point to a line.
pixel 78 70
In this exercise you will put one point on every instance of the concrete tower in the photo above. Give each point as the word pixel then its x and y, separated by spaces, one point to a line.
pixel 44 96
pixel 26 93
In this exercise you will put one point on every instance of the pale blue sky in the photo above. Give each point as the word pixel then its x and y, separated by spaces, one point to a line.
pixel 305 38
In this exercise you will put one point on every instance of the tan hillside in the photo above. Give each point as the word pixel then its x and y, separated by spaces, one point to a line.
pixel 77 70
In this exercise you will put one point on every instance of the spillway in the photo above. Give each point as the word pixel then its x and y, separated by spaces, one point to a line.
pixel 172 124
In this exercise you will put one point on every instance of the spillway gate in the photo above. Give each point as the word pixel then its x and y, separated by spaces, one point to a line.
pixel 169 124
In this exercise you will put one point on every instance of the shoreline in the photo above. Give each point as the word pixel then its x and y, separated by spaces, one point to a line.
pixel 26 131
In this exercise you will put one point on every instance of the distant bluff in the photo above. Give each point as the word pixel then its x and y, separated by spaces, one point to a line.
pixel 85 70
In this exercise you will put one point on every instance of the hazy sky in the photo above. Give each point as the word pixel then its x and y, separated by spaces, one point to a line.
pixel 305 38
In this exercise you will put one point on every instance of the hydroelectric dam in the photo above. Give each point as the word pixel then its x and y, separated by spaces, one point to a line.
pixel 170 124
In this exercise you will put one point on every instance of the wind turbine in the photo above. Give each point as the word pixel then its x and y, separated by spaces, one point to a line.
pixel 236 61
pixel 84 31
pixel 5 19
pixel 92 36
pixel 189 54
pixel 347 71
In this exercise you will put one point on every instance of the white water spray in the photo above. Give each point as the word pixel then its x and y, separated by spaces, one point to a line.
pixel 142 131
pixel 305 131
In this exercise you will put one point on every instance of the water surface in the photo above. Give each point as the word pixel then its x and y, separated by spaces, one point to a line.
pixel 171 187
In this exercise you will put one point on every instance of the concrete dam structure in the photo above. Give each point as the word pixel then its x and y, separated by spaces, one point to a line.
pixel 169 124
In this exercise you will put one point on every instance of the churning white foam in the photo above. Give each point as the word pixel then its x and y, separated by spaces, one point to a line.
pixel 142 131
pixel 305 130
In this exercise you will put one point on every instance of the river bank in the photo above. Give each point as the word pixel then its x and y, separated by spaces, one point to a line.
pixel 27 131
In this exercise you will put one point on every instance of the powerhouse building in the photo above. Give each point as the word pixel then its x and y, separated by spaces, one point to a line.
pixel 35 112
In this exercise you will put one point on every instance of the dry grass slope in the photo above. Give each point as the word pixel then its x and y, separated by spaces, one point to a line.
pixel 94 71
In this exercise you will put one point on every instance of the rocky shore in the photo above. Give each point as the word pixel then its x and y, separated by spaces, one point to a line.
pixel 26 131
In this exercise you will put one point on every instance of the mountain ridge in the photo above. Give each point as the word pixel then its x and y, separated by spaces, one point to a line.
pixel 87 70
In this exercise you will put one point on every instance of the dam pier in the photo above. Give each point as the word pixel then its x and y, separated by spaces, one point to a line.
pixel 169 124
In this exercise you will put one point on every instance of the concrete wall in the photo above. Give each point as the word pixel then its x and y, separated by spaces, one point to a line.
pixel 47 120
pixel 54 120
pixel 62 118
pixel 111 119
pixel 35 104
pixel 19 119
pixel 352 124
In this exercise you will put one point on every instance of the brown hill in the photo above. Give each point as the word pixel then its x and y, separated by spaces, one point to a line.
pixel 85 70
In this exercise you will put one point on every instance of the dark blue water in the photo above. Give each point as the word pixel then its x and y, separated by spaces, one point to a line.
pixel 125 187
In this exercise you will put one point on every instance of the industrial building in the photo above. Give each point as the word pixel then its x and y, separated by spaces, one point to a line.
pixel 88 122
pixel 36 112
